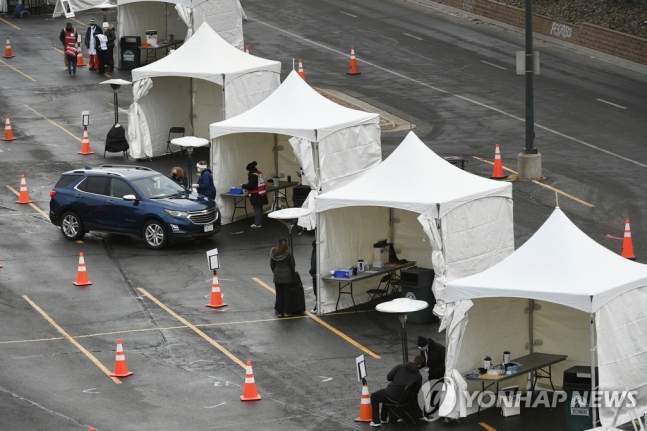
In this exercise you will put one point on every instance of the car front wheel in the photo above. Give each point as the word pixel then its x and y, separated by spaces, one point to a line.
pixel 155 235
pixel 71 226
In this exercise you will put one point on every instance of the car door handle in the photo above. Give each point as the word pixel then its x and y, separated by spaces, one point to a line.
pixel 78 195
pixel 110 201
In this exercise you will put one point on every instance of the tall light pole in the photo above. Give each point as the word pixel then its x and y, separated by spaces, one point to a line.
pixel 116 84
pixel 530 113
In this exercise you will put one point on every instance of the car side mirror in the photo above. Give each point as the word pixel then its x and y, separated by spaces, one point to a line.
pixel 130 198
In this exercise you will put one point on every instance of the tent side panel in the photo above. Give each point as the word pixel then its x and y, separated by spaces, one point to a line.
pixel 166 105
pixel 224 16
pixel 207 108
pixel 288 164
pixel 348 234
pixel 411 239
pixel 562 331
pixel 229 156
pixel 477 235
pixel 348 152
pixel 247 91
pixel 494 325
pixel 136 18
pixel 622 349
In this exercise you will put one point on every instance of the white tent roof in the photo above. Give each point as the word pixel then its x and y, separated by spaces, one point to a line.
pixel 559 264
pixel 294 109
pixel 187 3
pixel 207 56
pixel 425 183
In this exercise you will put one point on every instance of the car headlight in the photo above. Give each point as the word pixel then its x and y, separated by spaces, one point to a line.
pixel 177 213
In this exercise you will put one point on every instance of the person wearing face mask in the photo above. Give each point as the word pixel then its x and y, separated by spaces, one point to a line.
pixel 205 185
pixel 68 38
pixel 91 44
pixel 177 175
pixel 434 356
pixel 257 194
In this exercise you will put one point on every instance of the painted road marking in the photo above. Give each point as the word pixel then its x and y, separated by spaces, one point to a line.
pixel 31 204
pixel 325 325
pixel 494 65
pixel 54 123
pixel 410 35
pixel 8 23
pixel 583 202
pixel 72 340
pixel 609 103
pixel 467 99
pixel 346 13
pixel 17 71
pixel 193 328
pixel 486 426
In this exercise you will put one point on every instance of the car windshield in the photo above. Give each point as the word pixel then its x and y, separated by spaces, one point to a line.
pixel 158 187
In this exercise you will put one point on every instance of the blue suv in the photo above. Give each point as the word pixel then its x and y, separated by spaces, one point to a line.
pixel 130 200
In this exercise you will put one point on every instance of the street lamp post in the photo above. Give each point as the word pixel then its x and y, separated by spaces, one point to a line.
pixel 530 114
pixel 116 84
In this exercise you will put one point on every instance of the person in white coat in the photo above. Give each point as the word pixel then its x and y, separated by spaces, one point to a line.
pixel 91 44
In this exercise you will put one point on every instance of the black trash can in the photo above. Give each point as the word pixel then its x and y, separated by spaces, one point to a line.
pixel 577 385
pixel 299 195
pixel 129 57
pixel 415 283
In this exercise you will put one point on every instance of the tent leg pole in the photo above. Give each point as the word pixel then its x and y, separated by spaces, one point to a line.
pixel 276 156
pixel 593 387
pixel 391 222
pixel 191 107
pixel 318 266
pixel 531 335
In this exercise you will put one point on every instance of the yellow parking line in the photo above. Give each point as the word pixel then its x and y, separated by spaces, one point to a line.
pixel 78 22
pixel 193 328
pixel 54 123
pixel 583 202
pixel 17 71
pixel 43 213
pixel 327 326
pixel 71 340
pixel 486 426
pixel 8 23
pixel 59 50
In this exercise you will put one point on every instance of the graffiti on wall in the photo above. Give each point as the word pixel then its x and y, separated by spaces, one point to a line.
pixel 561 30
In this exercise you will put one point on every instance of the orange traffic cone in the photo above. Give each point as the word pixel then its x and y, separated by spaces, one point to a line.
pixel 247 49
pixel 79 58
pixel 85 143
pixel 23 197
pixel 354 70
pixel 302 74
pixel 8 133
pixel 249 393
pixel 216 297
pixel 365 409
pixel 121 368
pixel 497 174
pixel 627 243
pixel 8 53
pixel 81 273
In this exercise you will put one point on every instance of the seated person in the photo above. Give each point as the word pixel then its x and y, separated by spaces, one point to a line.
pixel 400 376
pixel 177 175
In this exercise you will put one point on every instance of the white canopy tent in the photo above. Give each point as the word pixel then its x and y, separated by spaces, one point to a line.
pixel 181 18
pixel 330 142
pixel 467 218
pixel 205 80
pixel 73 6
pixel 577 292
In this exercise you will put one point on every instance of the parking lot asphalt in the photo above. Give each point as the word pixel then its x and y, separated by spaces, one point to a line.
pixel 58 341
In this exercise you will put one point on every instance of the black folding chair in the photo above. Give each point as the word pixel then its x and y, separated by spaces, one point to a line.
pixel 173 131
pixel 399 408
pixel 381 290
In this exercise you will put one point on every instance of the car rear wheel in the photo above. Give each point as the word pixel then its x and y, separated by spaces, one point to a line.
pixel 71 226
pixel 155 235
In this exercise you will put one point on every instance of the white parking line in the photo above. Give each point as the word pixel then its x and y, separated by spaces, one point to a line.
pixel 449 93
pixel 410 35
pixel 346 13
pixel 491 64
pixel 609 103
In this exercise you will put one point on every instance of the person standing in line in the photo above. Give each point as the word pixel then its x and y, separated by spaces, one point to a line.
pixel 257 194
pixel 71 53
pixel 91 44
pixel 283 267
pixel 400 376
pixel 313 272
pixel 205 185
pixel 102 51
pixel 109 31
pixel 68 37
pixel 177 175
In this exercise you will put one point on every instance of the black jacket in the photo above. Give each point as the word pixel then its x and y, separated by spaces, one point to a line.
pixel 400 377
pixel 435 360
pixel 252 184
pixel 97 30
pixel 282 266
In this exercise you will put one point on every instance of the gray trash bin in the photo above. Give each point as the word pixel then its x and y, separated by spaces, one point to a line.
pixel 129 57
pixel 577 385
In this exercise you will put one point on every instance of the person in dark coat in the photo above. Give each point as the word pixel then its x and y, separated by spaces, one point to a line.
pixel 109 30
pixel 434 356
pixel 257 194
pixel 400 376
pixel 91 44
pixel 283 267
pixel 313 272
pixel 177 175
pixel 205 185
